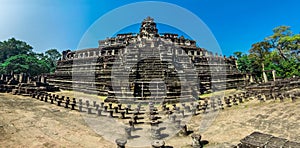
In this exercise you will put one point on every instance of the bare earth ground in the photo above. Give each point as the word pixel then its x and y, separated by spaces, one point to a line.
pixel 27 122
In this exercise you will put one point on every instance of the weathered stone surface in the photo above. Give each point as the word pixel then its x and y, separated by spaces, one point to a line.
pixel 143 84
pixel 257 139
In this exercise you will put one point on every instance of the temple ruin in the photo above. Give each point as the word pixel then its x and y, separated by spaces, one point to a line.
pixel 152 65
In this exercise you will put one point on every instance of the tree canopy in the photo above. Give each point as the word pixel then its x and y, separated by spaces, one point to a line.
pixel 13 47
pixel 17 56
pixel 279 51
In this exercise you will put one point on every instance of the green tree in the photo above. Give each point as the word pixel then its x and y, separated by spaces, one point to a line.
pixel 258 52
pixel 238 54
pixel 245 64
pixel 13 47
pixel 292 45
pixel 24 63
pixel 52 56
pixel 282 40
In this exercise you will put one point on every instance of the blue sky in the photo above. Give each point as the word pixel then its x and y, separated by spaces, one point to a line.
pixel 60 24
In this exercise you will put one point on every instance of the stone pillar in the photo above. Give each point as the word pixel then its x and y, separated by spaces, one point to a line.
pixel 274 75
pixel 128 133
pixel 131 124
pixel 73 104
pixel 251 78
pixel 234 101
pixel 51 99
pixel 58 102
pixel 173 118
pixel 155 132
pixel 260 98
pixel 105 108
pixel 129 106
pixel 121 143
pixel 28 80
pixel 97 106
pixel 220 104
pixel 99 112
pixel 240 99
pixel 227 101
pixel 122 115
pixel 80 101
pixel 2 77
pixel 87 103
pixel 158 144
pixel 116 109
pixel 204 107
pixel 264 73
pixel 134 119
pixel 293 97
pixel 281 98
pixel 177 123
pixel 16 77
pixel 183 130
pixel 113 52
pixel 21 78
pixel 127 110
pixel 67 102
pixel 110 113
pixel 46 98
pixel 6 79
pixel 110 105
pixel 102 104
pixel 89 110
pixel 80 108
pixel 212 104
pixel 196 141
pixel 194 111
pixel 236 64
pixel 187 108
pixel 43 79
pixel 182 113
pixel 120 106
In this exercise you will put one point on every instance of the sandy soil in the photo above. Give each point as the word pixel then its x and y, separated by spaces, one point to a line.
pixel 27 122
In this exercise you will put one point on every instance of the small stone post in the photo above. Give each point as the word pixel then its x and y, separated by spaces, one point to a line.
pixel 196 141
pixel 99 112
pixel 128 132
pixel 158 144
pixel 121 143
pixel 80 108
pixel 183 130
pixel 97 106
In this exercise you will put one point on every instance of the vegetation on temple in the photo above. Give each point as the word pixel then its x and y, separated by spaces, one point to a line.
pixel 280 52
pixel 17 56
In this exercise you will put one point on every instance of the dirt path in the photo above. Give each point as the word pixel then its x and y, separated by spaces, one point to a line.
pixel 27 122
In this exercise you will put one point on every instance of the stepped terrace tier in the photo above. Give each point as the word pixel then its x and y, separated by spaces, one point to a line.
pixel 146 65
